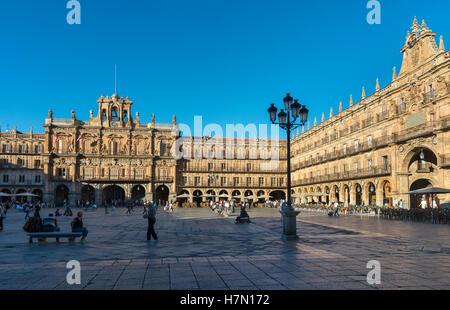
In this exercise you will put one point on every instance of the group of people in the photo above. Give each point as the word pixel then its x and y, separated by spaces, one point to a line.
pixel 432 201
pixel 223 207
pixel 36 224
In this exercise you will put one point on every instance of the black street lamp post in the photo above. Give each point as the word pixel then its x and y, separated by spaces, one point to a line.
pixel 296 111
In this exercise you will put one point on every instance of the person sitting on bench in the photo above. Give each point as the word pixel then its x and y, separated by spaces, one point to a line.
pixel 50 224
pixel 77 226
pixel 243 217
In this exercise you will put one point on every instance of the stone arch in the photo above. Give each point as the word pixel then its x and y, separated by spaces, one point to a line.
pixel 335 193
pixel 358 194
pixel 387 192
pixel 88 193
pixel 112 193
pixel 61 195
pixel 161 195
pixel 413 153
pixel 138 193
pixel 419 183
pixel 236 195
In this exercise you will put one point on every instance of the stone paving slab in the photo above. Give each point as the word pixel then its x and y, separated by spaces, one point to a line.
pixel 198 250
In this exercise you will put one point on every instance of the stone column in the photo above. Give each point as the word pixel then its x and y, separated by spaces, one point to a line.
pixel 353 195
pixel 379 195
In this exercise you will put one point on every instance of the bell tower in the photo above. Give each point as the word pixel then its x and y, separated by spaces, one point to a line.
pixel 114 111
pixel 419 47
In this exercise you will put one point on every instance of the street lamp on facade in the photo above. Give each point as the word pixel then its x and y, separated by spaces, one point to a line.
pixel 292 109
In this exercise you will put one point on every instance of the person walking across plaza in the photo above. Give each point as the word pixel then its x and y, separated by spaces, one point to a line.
pixel 336 209
pixel 77 226
pixel 151 218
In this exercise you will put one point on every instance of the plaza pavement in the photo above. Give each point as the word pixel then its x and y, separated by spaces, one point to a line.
pixel 199 250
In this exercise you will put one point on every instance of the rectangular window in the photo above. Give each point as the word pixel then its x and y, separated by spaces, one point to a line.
pixel 37 179
pixel 37 149
pixel 385 162
pixel 197 180
pixel 223 181
pixel 21 148
pixel 369 141
pixel 249 167
pixel 21 179
pixel 5 178
pixel 273 181
pixel 185 180
pixel 210 166
pixel 261 181
pixel 249 181
pixel 236 181
pixel 356 145
pixel 37 164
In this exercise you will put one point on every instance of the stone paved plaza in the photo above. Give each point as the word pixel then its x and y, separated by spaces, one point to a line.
pixel 198 250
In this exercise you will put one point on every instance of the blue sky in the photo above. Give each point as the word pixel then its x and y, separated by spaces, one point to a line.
pixel 223 60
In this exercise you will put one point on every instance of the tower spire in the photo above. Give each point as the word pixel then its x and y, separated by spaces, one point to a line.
pixel 323 117
pixel 331 112
pixel 377 86
pixel 441 44
pixel 351 100
pixel 315 121
pixel 363 93
pixel 394 75
pixel 340 106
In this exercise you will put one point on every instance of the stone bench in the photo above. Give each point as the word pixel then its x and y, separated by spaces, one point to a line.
pixel 42 236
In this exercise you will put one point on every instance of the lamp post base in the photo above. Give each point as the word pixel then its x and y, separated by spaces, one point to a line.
pixel 289 224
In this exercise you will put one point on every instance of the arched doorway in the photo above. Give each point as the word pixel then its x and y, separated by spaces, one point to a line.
pixel 236 196
pixel 249 196
pixel 210 195
pixel 372 194
pixel 223 195
pixel 61 195
pixel 336 193
pixel 387 190
pixel 184 196
pixel 327 192
pixel 21 198
pixel 197 197
pixel 88 193
pixel 418 184
pixel 162 194
pixel 260 195
pixel 138 193
pixel 358 190
pixel 113 193
pixel 277 195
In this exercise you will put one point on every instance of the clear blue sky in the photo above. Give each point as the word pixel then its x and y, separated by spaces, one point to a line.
pixel 226 60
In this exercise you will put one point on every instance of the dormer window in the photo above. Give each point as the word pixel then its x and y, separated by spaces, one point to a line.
pixel 114 114
pixel 104 115
pixel 125 116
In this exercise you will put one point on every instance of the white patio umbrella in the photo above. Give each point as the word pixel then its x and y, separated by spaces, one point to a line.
pixel 25 195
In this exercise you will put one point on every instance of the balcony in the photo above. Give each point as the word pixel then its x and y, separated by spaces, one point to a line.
pixel 349 175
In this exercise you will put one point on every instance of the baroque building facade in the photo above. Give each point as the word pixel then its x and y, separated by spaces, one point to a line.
pixel 388 143
pixel 373 152
pixel 114 156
